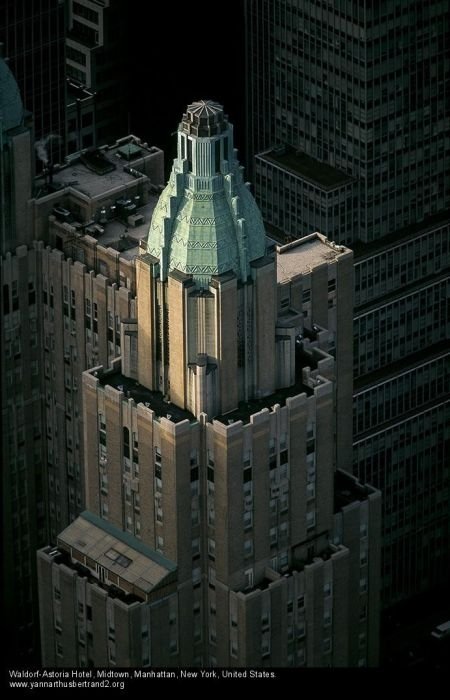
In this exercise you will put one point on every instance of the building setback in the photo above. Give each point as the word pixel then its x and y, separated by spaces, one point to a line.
pixel 221 526
pixel 347 126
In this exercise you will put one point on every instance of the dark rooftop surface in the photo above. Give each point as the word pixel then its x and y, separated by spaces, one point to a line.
pixel 348 489
pixel 153 399
pixel 300 163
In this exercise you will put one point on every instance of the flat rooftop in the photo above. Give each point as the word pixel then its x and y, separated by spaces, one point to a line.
pixel 347 489
pixel 117 551
pixel 126 238
pixel 140 394
pixel 302 255
pixel 95 173
pixel 298 163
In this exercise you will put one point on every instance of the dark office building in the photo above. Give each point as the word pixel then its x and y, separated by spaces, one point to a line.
pixel 97 62
pixel 32 32
pixel 348 119
pixel 23 509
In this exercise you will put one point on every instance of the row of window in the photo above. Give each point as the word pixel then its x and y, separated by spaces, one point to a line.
pixel 401 327
pixel 395 397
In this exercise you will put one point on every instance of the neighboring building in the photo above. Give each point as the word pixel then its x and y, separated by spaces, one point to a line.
pixel 347 120
pixel 221 528
pixel 22 455
pixel 16 170
pixel 67 278
pixel 33 35
pixel 96 70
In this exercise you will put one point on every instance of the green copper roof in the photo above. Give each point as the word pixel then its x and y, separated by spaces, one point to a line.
pixel 206 221
pixel 11 108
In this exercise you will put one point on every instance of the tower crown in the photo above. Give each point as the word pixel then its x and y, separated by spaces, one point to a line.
pixel 206 221
pixel 204 118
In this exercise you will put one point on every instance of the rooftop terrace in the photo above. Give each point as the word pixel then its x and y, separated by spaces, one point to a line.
pixel 302 255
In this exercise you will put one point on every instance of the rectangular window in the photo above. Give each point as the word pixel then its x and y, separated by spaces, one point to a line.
pixel 248 548
pixel 310 519
pixel 326 645
pixel 248 574
pixel 248 519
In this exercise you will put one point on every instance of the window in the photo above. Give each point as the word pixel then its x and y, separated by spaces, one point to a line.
pixel 284 528
pixel 310 519
pixel 126 442
pixel 327 589
pixel 363 557
pixel 196 576
pixel 310 491
pixel 248 574
pixel 248 519
pixel 283 558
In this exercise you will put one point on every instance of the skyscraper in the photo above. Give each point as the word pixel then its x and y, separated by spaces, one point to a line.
pixel 33 35
pixel 23 485
pixel 347 117
pixel 49 226
pixel 97 58
pixel 220 526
